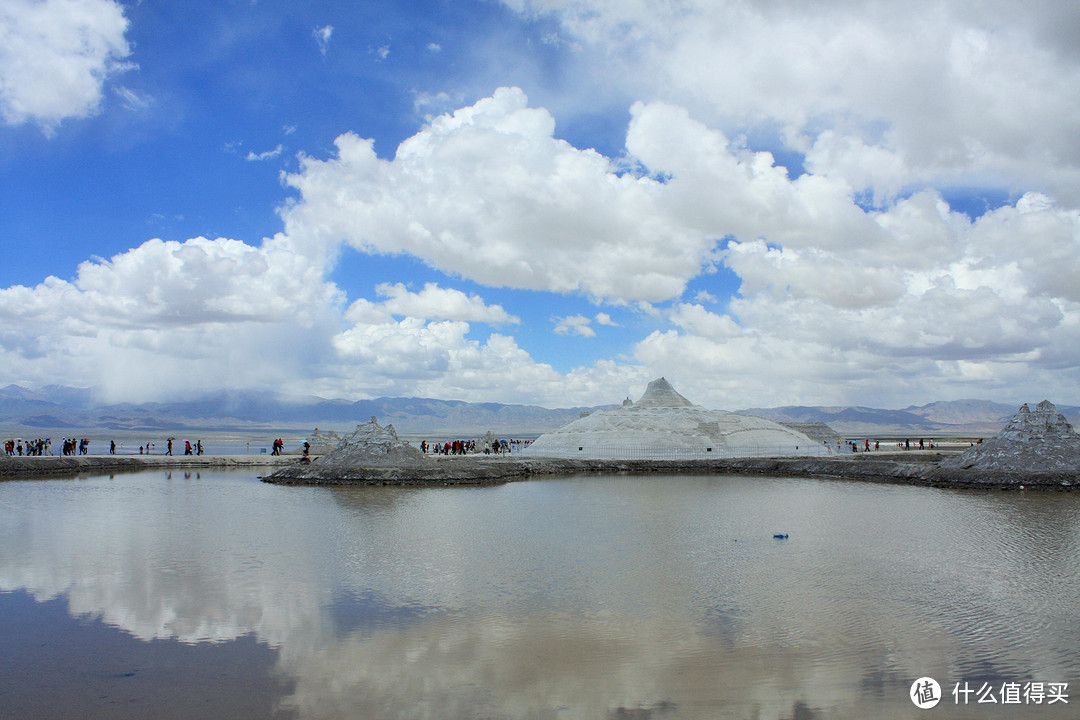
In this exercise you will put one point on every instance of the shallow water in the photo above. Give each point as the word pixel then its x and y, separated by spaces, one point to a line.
pixel 161 595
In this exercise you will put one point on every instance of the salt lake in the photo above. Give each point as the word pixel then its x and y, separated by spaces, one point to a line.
pixel 161 595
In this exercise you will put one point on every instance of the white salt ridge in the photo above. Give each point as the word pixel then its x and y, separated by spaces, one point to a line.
pixel 664 424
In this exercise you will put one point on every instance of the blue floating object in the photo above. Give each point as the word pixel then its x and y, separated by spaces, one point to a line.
pixel 780 536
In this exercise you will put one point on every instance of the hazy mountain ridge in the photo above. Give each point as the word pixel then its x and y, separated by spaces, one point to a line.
pixel 982 417
pixel 844 419
pixel 968 411
pixel 57 407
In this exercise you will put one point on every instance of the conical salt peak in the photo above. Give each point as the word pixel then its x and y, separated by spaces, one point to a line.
pixel 659 393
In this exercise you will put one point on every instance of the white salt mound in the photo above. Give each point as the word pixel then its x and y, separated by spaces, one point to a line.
pixel 323 442
pixel 372 444
pixel 664 424
pixel 1039 440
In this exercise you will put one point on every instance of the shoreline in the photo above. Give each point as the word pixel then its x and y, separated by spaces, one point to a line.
pixel 31 467
pixel 901 467
pixel 904 467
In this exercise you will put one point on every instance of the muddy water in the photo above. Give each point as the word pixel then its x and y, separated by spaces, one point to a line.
pixel 212 594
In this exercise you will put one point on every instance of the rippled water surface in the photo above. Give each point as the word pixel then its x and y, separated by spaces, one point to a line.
pixel 214 595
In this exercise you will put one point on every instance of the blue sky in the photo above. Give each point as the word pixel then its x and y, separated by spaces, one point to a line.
pixel 545 202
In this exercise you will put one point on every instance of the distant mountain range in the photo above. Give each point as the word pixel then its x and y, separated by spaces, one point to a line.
pixel 955 417
pixel 56 407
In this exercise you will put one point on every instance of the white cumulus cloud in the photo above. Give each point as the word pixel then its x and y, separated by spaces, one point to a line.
pixel 880 95
pixel 605 319
pixel 898 300
pixel 831 292
pixel 55 56
pixel 431 303
pixel 957 309
pixel 168 317
pixel 437 359
pixel 488 193
pixel 574 325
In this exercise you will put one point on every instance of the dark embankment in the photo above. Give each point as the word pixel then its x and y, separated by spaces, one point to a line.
pixel 914 468
pixel 13 468
pixel 1000 480
pixel 909 468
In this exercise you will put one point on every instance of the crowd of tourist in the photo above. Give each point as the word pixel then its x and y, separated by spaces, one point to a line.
pixel 466 447
pixel 81 446
pixel 865 446
pixel 43 446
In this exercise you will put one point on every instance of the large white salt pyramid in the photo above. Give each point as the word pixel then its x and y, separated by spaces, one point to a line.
pixel 664 424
